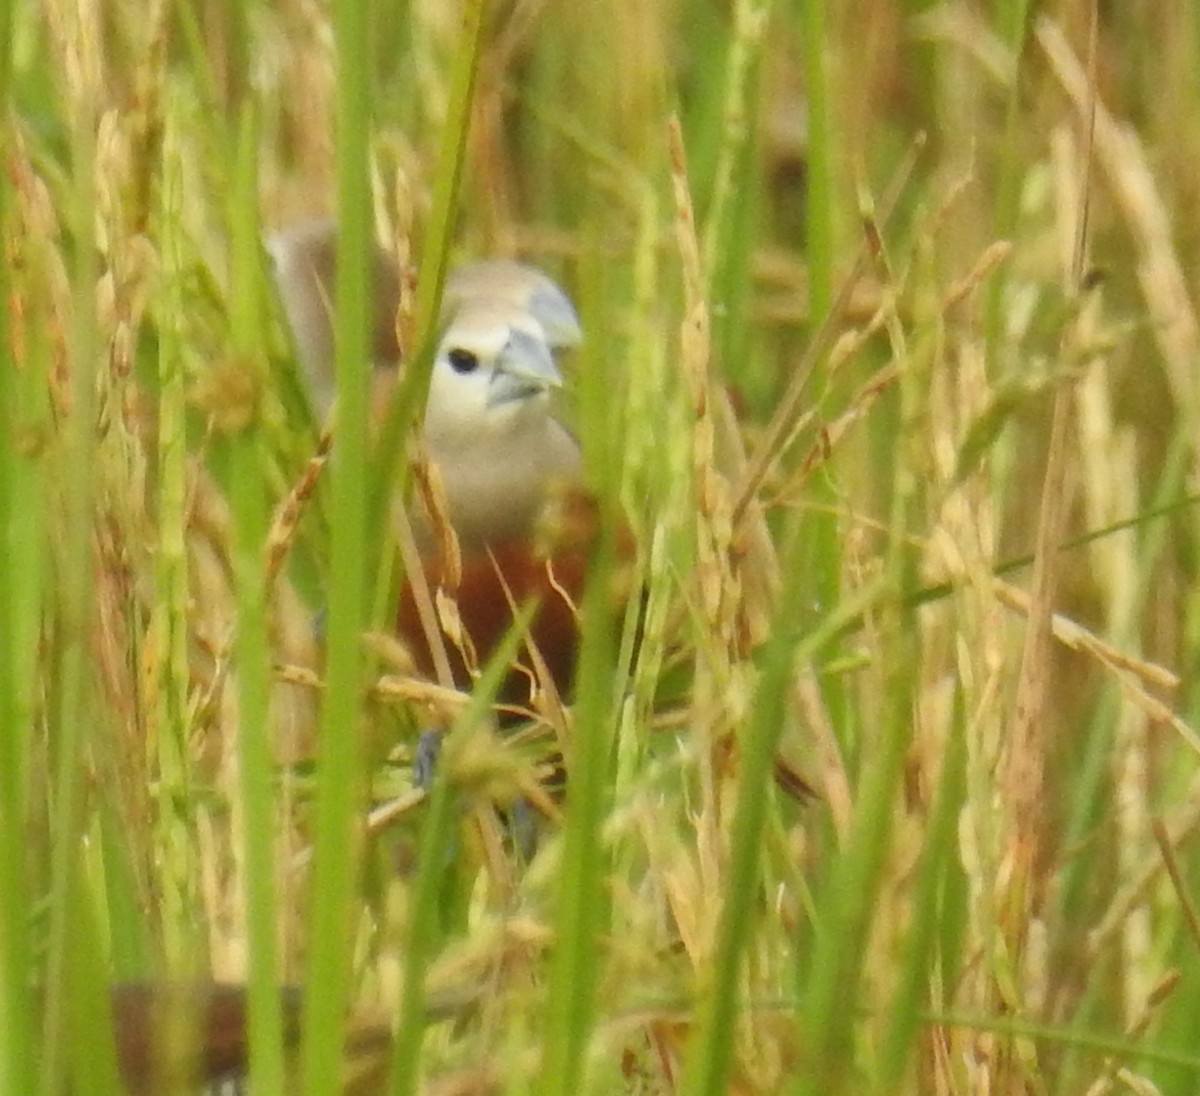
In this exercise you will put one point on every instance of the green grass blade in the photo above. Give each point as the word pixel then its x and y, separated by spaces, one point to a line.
pixel 340 778
pixel 250 505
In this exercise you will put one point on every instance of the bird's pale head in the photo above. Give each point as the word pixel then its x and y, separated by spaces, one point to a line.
pixel 491 380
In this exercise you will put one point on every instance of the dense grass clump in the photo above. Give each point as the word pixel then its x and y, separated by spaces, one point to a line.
pixel 889 398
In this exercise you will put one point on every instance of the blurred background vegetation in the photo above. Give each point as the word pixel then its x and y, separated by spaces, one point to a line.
pixel 882 300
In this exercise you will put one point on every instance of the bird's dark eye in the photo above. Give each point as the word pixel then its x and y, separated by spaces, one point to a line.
pixel 462 361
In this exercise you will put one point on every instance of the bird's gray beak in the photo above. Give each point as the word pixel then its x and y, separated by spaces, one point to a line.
pixel 524 368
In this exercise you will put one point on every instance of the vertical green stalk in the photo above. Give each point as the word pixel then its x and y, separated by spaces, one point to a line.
pixel 819 218
pixel 19 597
pixel 751 20
pixel 437 830
pixel 819 555
pixel 582 915
pixel 441 811
pixel 1012 17
pixel 846 911
pixel 929 897
pixel 89 1040
pixel 435 259
pixel 732 224
pixel 435 835
pixel 340 776
pixel 846 914
pixel 71 930
pixel 732 176
pixel 248 495
pixel 582 912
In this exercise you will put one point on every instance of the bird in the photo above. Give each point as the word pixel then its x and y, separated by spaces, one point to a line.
pixel 506 464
